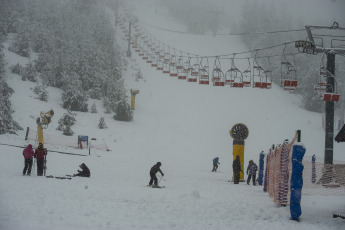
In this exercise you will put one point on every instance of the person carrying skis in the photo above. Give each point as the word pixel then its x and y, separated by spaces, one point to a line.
pixel 236 167
pixel 153 171
pixel 39 155
pixel 85 171
pixel 215 164
pixel 251 171
pixel 28 153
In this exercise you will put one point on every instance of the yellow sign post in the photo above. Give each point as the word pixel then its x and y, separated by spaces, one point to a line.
pixel 133 93
pixel 239 132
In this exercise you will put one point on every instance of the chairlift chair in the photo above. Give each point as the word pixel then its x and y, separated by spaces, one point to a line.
pixel 246 75
pixel 288 72
pixel 217 74
pixel 204 78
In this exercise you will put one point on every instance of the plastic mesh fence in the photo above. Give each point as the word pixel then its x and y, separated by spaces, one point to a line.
pixel 318 178
pixel 61 140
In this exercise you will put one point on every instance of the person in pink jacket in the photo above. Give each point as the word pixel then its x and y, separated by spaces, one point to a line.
pixel 28 153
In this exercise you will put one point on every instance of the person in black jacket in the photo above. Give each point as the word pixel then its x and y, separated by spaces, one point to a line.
pixel 85 171
pixel 153 171
pixel 236 167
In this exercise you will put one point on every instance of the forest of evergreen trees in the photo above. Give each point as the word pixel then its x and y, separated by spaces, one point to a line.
pixel 71 46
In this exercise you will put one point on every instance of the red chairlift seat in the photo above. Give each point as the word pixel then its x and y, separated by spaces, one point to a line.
pixel 204 79
pixel 331 97
pixel 290 84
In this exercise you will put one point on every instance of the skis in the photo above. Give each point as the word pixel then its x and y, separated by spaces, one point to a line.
pixel 155 186
pixel 59 177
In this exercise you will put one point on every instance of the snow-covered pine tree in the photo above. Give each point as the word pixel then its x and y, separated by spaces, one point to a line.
pixel 68 131
pixel 102 124
pixel 93 108
pixel 138 75
pixel 7 124
pixel 67 119
pixel 29 73
pixel 73 97
pixel 123 112
pixel 17 69
pixel 21 42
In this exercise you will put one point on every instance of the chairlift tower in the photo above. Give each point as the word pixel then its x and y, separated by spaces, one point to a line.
pixel 310 47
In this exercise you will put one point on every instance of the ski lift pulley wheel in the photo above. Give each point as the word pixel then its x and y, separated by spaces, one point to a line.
pixel 239 132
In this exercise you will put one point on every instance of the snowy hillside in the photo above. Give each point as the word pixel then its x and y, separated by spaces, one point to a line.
pixel 184 126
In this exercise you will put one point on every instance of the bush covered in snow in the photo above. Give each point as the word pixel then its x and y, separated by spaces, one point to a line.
pixel 123 112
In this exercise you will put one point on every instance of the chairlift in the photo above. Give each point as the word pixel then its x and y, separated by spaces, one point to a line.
pixel 180 69
pixel 261 77
pixel 288 71
pixel 246 75
pixel 172 66
pixel 328 93
pixel 217 73
pixel 233 76
pixel 194 70
pixel 204 78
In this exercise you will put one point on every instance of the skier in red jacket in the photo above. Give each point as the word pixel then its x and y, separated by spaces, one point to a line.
pixel 39 155
pixel 28 153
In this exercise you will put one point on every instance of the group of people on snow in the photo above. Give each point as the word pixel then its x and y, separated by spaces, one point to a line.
pixel 236 167
pixel 29 154
pixel 40 154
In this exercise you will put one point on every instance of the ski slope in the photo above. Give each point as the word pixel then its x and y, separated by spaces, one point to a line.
pixel 184 126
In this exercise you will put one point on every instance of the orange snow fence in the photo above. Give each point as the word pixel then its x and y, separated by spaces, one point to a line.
pixel 318 178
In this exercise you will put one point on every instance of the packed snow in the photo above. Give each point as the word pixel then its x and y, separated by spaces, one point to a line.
pixel 184 126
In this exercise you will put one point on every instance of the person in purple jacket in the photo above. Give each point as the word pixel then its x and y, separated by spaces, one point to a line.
pixel 28 153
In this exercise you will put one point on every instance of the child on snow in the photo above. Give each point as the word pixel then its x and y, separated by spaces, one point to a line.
pixel 85 171
pixel 215 164
pixel 153 171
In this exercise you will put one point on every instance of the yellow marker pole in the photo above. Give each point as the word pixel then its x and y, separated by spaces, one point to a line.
pixel 238 150
pixel 133 93
pixel 239 132
pixel 40 134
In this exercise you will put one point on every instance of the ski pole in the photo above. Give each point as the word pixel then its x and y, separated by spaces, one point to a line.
pixel 161 177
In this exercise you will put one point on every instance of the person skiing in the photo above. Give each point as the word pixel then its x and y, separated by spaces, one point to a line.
pixel 85 171
pixel 153 171
pixel 236 167
pixel 215 164
pixel 251 171
pixel 39 155
pixel 28 153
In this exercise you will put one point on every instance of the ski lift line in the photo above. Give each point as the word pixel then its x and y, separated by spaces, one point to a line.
pixel 224 34
pixel 222 55
pixel 23 147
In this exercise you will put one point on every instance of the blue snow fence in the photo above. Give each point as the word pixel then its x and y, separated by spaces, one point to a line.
pixel 261 166
pixel 296 182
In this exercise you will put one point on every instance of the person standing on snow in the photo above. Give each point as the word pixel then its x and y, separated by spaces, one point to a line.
pixel 153 171
pixel 85 171
pixel 39 155
pixel 251 171
pixel 28 153
pixel 236 167
pixel 215 164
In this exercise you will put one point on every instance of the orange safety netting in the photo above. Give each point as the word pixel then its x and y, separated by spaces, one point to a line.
pixel 61 140
pixel 318 178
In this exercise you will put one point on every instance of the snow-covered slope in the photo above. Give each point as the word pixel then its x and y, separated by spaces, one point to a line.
pixel 184 126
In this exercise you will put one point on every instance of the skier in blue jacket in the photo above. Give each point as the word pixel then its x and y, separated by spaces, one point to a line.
pixel 215 164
